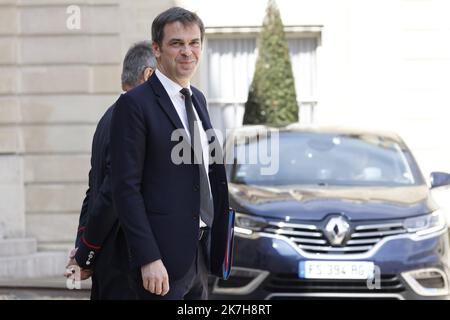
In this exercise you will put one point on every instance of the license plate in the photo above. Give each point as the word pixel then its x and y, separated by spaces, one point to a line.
pixel 336 269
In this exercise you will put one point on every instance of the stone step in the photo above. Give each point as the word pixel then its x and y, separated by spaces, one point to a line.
pixel 17 247
pixel 39 264
pixel 56 246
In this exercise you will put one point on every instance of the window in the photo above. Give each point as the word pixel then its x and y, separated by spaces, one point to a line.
pixel 230 65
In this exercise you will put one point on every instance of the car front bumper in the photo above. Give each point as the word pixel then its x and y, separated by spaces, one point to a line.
pixel 266 266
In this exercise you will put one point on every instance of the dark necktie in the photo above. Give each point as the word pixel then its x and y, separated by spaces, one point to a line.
pixel 206 203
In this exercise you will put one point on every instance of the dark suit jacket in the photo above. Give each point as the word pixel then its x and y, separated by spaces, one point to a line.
pixel 157 201
pixel 97 218
pixel 101 243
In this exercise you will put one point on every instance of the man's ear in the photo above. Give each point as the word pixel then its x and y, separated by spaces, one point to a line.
pixel 147 73
pixel 126 87
pixel 156 50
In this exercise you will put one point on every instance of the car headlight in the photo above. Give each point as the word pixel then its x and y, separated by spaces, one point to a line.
pixel 427 223
pixel 248 224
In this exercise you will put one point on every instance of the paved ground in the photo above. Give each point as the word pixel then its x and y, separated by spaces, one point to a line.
pixel 54 288
pixel 42 289
pixel 42 294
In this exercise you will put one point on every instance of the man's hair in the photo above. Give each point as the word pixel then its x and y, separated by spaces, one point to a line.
pixel 138 57
pixel 171 15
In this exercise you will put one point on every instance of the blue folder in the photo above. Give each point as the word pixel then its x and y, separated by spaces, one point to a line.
pixel 228 259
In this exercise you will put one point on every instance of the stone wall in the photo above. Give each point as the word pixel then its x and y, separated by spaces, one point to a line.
pixel 12 211
pixel 55 83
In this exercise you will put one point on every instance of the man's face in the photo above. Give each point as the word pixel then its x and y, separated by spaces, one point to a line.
pixel 180 51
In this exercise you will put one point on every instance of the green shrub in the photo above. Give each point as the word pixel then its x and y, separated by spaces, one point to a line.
pixel 271 98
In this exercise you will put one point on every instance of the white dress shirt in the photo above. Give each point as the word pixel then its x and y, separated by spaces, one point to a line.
pixel 173 90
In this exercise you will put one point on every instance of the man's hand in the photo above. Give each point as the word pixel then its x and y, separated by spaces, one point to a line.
pixel 72 268
pixel 155 278
pixel 71 260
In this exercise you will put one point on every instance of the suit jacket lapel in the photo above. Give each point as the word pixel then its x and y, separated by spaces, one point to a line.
pixel 202 113
pixel 164 101
pixel 166 104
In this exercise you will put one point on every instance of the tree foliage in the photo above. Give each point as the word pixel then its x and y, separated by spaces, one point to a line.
pixel 272 98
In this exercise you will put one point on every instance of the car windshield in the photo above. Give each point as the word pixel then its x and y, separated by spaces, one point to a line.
pixel 306 158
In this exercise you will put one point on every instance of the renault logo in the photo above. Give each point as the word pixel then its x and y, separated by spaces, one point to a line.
pixel 336 230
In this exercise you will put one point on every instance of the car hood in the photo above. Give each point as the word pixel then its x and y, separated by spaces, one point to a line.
pixel 316 203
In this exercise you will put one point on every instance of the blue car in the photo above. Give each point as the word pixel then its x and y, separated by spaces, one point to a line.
pixel 332 213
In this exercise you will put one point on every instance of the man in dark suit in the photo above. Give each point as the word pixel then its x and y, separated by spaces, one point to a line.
pixel 101 248
pixel 173 212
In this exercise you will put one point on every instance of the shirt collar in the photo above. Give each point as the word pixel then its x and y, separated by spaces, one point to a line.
pixel 172 88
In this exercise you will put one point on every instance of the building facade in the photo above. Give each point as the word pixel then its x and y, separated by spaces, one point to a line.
pixel 382 64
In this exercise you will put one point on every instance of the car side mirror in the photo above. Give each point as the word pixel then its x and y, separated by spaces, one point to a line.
pixel 439 179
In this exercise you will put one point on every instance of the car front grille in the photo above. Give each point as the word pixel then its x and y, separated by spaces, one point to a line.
pixel 310 238
pixel 290 283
